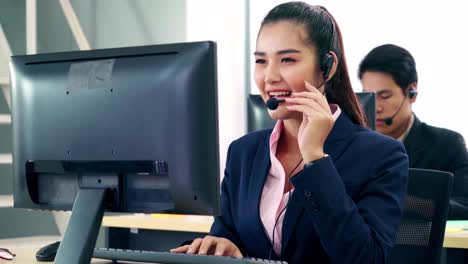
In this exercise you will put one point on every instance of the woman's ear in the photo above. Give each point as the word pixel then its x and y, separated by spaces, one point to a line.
pixel 334 66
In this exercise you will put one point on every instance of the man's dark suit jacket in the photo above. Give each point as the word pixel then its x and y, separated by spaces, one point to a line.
pixel 345 208
pixel 436 148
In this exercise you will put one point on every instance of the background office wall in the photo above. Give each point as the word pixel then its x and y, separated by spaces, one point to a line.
pixel 14 11
pixel 13 222
pixel 106 23
pixel 433 31
pixel 225 22
pixel 117 23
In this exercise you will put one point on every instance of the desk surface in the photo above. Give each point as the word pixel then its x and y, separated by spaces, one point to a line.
pixel 182 223
pixel 456 235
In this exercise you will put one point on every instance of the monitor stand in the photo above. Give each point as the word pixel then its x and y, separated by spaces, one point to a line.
pixel 80 237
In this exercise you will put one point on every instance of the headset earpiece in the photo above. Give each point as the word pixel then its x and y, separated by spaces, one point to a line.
pixel 412 93
pixel 327 65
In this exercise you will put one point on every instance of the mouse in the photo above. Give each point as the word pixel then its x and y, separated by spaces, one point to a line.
pixel 48 252
pixel 6 254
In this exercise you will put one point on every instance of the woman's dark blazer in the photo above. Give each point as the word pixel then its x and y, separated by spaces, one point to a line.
pixel 345 208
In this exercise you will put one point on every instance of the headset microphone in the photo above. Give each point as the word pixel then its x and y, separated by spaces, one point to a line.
pixel 389 120
pixel 273 103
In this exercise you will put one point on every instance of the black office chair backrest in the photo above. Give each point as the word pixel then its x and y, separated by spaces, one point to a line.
pixel 258 117
pixel 420 235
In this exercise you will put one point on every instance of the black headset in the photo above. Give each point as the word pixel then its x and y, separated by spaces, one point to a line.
pixel 412 93
pixel 328 59
pixel 327 65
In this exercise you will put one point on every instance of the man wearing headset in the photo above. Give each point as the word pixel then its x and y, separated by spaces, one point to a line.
pixel 390 72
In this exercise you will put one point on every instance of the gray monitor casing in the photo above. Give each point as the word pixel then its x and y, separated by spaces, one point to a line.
pixel 89 119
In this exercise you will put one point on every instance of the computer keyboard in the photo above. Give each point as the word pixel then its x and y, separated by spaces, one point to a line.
pixel 173 258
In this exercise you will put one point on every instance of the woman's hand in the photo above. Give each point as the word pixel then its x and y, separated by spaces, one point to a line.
pixel 317 121
pixel 210 245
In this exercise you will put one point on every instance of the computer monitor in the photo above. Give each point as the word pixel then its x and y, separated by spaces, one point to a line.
pixel 368 104
pixel 257 114
pixel 120 130
pixel 258 117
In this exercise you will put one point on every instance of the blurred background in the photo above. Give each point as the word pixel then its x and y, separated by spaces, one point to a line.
pixel 431 30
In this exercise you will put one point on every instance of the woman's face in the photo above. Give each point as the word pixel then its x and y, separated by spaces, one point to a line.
pixel 283 61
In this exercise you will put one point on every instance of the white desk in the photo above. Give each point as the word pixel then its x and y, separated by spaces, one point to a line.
pixel 456 234
pixel 181 223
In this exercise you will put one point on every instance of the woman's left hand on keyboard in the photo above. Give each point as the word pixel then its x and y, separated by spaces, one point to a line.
pixel 210 245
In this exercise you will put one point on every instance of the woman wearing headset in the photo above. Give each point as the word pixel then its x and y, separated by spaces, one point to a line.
pixel 319 187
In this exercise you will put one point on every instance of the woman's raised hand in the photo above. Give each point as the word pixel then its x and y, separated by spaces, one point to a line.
pixel 317 121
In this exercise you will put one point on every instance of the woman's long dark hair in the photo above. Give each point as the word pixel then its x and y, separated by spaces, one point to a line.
pixel 324 34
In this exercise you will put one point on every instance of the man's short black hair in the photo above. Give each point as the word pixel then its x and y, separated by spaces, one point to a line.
pixel 393 60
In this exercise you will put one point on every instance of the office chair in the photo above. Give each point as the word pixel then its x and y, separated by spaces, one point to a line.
pixel 420 235
pixel 258 117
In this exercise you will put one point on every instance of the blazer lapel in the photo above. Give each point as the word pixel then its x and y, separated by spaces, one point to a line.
pixel 262 164
pixel 292 215
pixel 335 144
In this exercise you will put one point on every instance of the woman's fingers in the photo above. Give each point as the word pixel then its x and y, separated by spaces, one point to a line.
pixel 317 97
pixel 224 247
pixel 237 253
pixel 307 102
pixel 306 110
pixel 313 89
pixel 210 245
pixel 206 245
pixel 193 248
pixel 229 252
pixel 220 249
pixel 181 249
